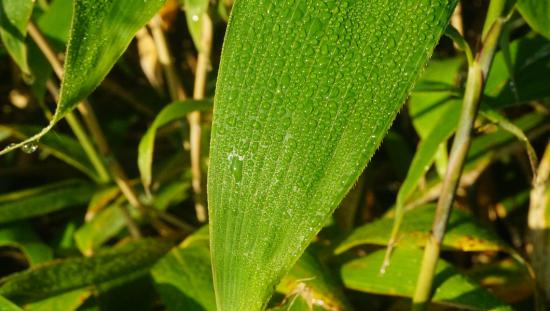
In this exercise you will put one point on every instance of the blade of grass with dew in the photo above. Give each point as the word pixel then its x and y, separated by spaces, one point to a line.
pixel 14 16
pixel 170 113
pixel 101 30
pixel 306 91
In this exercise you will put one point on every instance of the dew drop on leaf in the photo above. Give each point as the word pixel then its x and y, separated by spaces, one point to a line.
pixel 29 147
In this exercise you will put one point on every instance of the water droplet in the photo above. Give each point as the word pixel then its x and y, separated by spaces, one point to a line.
pixel 29 147
pixel 236 165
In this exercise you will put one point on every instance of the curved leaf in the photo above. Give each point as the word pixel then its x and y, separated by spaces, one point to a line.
pixel 451 288
pixel 101 31
pixel 61 276
pixel 14 16
pixel 170 113
pixel 306 92
pixel 22 236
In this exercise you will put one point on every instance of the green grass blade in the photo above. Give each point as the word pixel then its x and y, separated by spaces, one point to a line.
pixel 22 236
pixel 101 31
pixel 306 92
pixel 61 276
pixel 14 16
pixel 537 15
pixel 453 289
pixel 42 200
pixel 170 113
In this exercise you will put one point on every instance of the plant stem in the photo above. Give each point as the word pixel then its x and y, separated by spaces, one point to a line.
pixel 458 154
pixel 177 93
pixel 84 140
pixel 539 235
pixel 477 72
pixel 94 128
pixel 199 90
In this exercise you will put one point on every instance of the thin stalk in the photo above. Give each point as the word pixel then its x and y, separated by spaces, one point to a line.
pixel 177 93
pixel 93 126
pixel 199 90
pixel 477 73
pixel 457 157
pixel 83 139
pixel 71 119
pixel 539 235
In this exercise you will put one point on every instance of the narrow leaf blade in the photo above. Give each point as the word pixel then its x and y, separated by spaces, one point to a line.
pixel 170 113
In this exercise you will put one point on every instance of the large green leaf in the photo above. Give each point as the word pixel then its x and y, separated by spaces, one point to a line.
pixel 101 31
pixel 537 14
pixel 14 16
pixel 22 236
pixel 170 113
pixel 306 91
pixel 464 232
pixel 61 276
pixel 45 199
pixel 451 288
